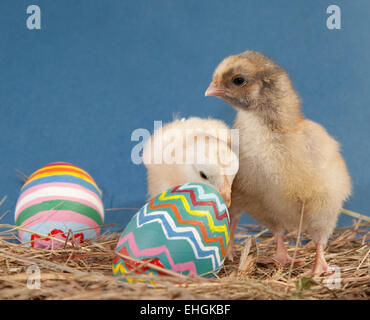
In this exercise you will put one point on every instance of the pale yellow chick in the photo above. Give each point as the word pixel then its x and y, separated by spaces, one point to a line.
pixel 286 161
pixel 190 150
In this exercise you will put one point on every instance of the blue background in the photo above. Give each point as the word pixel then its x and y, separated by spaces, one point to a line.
pixel 97 70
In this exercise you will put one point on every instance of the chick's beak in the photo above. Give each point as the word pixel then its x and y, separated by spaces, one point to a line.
pixel 214 90
pixel 225 191
pixel 227 198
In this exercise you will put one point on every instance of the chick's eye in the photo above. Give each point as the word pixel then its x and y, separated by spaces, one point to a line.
pixel 238 81
pixel 203 175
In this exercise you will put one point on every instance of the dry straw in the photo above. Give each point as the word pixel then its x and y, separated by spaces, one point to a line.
pixel 85 271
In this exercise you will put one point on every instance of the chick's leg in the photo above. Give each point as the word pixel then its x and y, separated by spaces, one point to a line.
pixel 320 265
pixel 281 254
pixel 320 228
pixel 234 223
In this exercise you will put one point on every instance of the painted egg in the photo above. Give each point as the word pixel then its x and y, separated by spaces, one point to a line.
pixel 59 202
pixel 184 229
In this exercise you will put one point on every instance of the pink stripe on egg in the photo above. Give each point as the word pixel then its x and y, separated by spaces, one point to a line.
pixel 150 252
pixel 59 216
pixel 59 190
pixel 61 198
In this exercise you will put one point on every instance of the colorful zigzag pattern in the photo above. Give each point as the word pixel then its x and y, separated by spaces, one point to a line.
pixel 186 229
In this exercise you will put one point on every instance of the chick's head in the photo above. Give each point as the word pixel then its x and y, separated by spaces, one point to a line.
pixel 215 165
pixel 247 80
pixel 213 176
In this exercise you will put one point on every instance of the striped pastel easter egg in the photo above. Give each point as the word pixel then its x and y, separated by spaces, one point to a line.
pixel 60 201
pixel 184 229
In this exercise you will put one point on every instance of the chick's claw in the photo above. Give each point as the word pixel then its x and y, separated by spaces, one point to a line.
pixel 320 265
pixel 230 253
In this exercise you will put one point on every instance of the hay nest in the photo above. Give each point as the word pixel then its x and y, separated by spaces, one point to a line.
pixel 85 271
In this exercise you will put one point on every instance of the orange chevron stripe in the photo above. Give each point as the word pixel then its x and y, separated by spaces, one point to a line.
pixel 203 230
pixel 200 213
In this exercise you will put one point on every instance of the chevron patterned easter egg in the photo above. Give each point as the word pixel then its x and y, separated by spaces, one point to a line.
pixel 59 201
pixel 184 229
